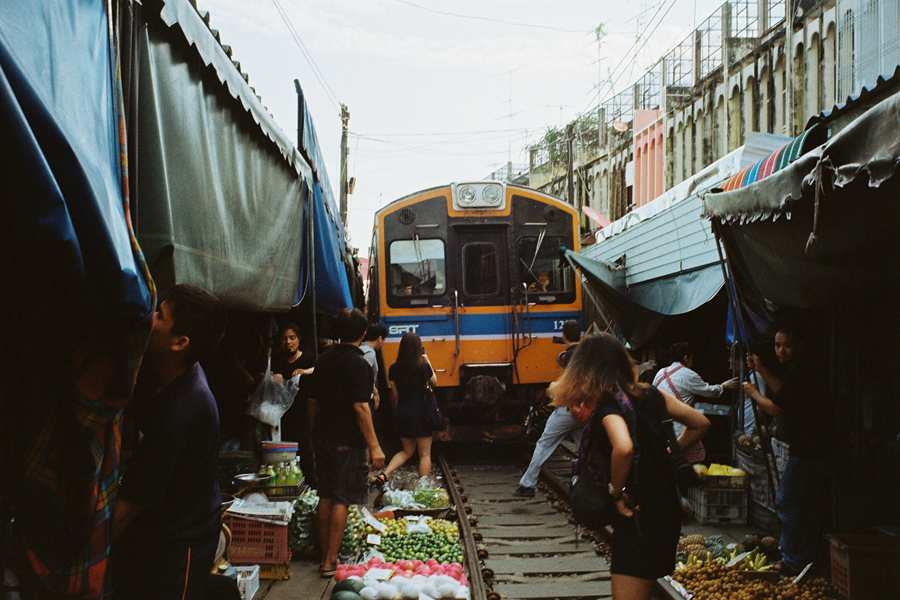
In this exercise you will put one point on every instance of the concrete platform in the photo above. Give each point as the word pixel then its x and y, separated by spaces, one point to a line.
pixel 305 582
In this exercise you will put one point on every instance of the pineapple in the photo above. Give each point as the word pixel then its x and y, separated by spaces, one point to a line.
pixel 769 545
pixel 750 542
pixel 691 539
pixel 716 545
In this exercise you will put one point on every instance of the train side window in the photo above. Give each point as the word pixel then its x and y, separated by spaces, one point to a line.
pixel 542 268
pixel 480 269
pixel 417 268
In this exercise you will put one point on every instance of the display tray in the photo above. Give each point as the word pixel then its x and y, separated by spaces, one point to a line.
pixel 435 513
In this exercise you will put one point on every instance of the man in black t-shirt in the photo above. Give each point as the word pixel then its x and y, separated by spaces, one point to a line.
pixel 168 512
pixel 802 402
pixel 342 430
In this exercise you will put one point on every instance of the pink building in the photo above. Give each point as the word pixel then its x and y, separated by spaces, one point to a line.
pixel 649 156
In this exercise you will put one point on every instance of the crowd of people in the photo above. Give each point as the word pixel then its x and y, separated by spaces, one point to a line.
pixel 167 516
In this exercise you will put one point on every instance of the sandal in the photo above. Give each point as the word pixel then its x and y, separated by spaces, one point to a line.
pixel 785 570
pixel 379 481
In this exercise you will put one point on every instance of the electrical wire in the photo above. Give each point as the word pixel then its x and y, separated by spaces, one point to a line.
pixel 629 55
pixel 332 97
pixel 477 18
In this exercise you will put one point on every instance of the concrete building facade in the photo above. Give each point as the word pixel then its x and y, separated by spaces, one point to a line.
pixel 747 68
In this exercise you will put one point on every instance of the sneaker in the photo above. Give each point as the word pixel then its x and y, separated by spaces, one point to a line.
pixel 523 492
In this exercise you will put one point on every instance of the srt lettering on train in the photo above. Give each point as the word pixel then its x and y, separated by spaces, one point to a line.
pixel 401 329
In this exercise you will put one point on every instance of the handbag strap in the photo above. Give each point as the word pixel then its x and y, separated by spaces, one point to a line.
pixel 666 423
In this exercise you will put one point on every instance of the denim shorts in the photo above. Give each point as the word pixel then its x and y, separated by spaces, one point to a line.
pixel 342 473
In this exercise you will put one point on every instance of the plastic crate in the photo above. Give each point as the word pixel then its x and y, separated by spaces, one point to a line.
pixel 865 567
pixel 282 492
pixel 763 517
pixel 738 482
pixel 248 581
pixel 257 543
pixel 715 505
pixel 275 571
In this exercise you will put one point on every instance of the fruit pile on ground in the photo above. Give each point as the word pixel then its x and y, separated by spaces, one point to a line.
pixel 442 547
pixel 354 538
pixel 401 580
pixel 712 580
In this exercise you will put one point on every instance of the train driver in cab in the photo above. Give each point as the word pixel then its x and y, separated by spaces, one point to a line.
pixel 542 284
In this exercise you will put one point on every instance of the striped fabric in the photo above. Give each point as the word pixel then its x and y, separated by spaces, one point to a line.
pixel 772 163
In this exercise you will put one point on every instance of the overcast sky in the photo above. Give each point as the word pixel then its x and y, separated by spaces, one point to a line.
pixel 441 91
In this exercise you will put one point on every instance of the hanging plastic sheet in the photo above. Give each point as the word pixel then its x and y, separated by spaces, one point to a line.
pixel 77 300
pixel 220 192
pixel 331 283
pixel 824 227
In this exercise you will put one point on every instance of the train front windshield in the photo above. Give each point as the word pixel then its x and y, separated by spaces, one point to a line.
pixel 417 267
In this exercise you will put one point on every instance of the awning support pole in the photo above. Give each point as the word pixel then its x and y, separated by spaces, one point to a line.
pixel 766 441
pixel 585 289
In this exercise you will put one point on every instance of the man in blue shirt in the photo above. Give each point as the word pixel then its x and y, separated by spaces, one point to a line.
pixel 168 513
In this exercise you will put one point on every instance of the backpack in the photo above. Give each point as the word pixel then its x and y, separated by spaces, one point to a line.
pixel 589 492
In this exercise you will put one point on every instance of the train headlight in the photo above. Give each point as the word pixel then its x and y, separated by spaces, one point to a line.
pixel 467 195
pixel 491 195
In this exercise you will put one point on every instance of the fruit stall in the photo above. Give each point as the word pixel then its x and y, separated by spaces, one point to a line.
pixel 708 569
pixel 408 550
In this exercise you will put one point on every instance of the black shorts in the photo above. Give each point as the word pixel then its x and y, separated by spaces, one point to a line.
pixel 652 555
pixel 342 473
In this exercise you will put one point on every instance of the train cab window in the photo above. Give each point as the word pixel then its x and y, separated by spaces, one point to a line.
pixel 417 268
pixel 480 269
pixel 543 269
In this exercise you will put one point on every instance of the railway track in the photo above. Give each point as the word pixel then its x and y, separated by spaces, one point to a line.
pixel 522 547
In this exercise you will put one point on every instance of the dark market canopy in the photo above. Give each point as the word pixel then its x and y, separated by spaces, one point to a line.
pixel 824 227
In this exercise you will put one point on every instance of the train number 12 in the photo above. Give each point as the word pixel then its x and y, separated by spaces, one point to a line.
pixel 558 325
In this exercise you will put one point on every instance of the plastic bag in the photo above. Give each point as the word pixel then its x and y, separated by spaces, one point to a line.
pixel 302 536
pixel 272 399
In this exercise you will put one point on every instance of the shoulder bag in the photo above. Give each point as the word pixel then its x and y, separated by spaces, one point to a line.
pixel 589 492
pixel 685 475
pixel 697 452
pixel 432 410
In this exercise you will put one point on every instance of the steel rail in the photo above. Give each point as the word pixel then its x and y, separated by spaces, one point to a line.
pixel 473 562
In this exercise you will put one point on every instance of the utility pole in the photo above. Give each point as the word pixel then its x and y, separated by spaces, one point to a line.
pixel 345 119
pixel 570 139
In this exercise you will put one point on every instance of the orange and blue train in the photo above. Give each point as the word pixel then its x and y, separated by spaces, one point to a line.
pixel 477 270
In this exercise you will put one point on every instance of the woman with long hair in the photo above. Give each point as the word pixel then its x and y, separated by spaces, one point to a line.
pixel 408 379
pixel 601 384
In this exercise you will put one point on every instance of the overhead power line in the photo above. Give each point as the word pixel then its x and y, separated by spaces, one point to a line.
pixel 632 52
pixel 478 18
pixel 332 97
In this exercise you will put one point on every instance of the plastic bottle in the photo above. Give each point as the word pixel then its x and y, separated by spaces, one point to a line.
pixel 270 471
pixel 296 473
